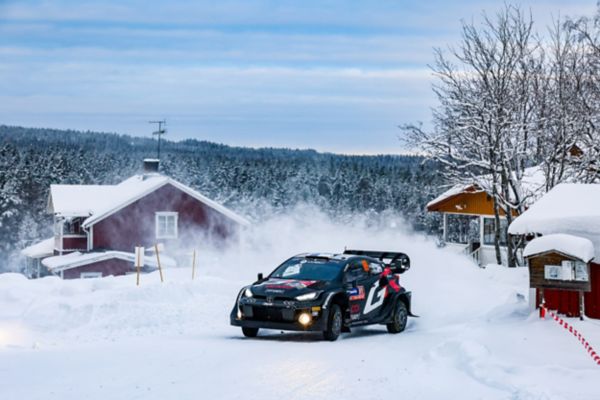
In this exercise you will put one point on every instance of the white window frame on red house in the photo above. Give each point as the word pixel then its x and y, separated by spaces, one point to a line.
pixel 167 215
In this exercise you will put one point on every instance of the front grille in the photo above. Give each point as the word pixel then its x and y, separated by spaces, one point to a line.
pixel 273 314
pixel 274 298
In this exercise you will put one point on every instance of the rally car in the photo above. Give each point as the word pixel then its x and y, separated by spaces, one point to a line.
pixel 329 293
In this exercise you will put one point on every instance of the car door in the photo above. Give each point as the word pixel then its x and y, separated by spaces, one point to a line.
pixel 365 298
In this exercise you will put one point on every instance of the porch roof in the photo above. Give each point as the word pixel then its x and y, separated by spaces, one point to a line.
pixel 41 249
pixel 77 259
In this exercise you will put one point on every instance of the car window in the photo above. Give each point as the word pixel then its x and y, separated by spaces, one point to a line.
pixel 375 268
pixel 355 271
pixel 309 269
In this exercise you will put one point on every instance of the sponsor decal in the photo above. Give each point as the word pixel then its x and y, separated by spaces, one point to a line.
pixel 375 298
pixel 357 293
pixel 287 284
pixel 393 280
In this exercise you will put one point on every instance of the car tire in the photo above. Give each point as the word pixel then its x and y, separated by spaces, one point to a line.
pixel 249 332
pixel 334 323
pixel 399 318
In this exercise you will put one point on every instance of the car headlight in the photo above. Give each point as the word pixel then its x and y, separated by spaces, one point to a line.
pixel 248 292
pixel 307 296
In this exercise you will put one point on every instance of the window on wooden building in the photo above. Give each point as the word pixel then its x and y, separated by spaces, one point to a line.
pixel 463 229
pixel 489 231
pixel 166 225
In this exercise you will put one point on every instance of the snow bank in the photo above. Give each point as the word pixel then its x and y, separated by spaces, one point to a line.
pixel 575 246
pixel 112 339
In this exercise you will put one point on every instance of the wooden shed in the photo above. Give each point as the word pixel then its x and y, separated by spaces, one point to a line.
pixel 564 258
pixel 561 272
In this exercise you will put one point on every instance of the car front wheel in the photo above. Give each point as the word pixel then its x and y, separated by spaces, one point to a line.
pixel 334 323
pixel 250 332
pixel 398 323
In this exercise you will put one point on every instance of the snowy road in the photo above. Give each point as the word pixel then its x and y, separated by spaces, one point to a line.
pixel 107 339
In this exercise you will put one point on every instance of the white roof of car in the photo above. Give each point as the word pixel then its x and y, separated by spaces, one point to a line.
pixel 96 202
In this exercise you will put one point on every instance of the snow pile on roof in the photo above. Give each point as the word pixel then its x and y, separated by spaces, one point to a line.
pixel 98 201
pixel 568 208
pixel 77 259
pixel 42 249
pixel 78 200
pixel 575 246
pixel 533 181
pixel 453 191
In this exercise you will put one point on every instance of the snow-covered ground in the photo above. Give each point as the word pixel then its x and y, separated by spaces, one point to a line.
pixel 108 339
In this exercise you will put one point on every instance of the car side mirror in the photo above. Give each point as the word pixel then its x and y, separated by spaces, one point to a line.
pixel 260 276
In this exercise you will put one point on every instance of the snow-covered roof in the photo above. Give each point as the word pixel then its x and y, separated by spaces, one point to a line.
pixel 532 182
pixel 453 191
pixel 77 259
pixel 99 201
pixel 78 200
pixel 570 245
pixel 569 208
pixel 44 248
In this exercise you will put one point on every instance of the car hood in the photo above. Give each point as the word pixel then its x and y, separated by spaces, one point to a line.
pixel 287 288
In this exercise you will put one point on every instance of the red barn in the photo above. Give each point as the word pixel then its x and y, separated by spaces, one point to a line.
pixel 564 258
pixel 96 227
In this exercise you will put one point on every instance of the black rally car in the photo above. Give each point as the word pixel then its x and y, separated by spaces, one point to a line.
pixel 328 293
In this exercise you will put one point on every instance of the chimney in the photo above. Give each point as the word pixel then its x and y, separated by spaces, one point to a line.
pixel 151 165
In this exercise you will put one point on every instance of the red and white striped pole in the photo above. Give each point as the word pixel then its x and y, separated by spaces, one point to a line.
pixel 595 356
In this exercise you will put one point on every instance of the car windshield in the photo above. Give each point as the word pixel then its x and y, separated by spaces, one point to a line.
pixel 311 269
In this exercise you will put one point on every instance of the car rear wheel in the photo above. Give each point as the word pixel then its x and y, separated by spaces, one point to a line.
pixel 334 323
pixel 249 332
pixel 399 319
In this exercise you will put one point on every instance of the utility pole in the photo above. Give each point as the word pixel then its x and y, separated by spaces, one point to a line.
pixel 161 131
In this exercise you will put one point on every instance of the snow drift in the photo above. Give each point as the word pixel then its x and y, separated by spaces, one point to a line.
pixel 107 338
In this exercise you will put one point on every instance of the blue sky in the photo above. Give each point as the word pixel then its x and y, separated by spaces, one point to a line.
pixel 325 74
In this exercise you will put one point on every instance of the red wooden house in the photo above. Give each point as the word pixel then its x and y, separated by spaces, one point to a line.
pixel 96 227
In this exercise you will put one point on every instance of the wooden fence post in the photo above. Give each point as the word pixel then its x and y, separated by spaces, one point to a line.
pixel 138 264
pixel 158 261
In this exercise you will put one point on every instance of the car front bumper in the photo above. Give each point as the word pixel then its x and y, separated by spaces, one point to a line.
pixel 254 313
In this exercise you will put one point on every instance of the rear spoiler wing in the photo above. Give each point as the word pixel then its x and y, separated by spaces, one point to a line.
pixel 399 262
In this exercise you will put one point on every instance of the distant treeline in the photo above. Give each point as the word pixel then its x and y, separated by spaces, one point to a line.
pixel 254 182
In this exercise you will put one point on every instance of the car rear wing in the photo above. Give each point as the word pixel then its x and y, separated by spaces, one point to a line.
pixel 399 262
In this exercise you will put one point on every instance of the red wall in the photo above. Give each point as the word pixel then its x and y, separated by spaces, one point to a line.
pixel 74 243
pixel 107 267
pixel 567 302
pixel 135 224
